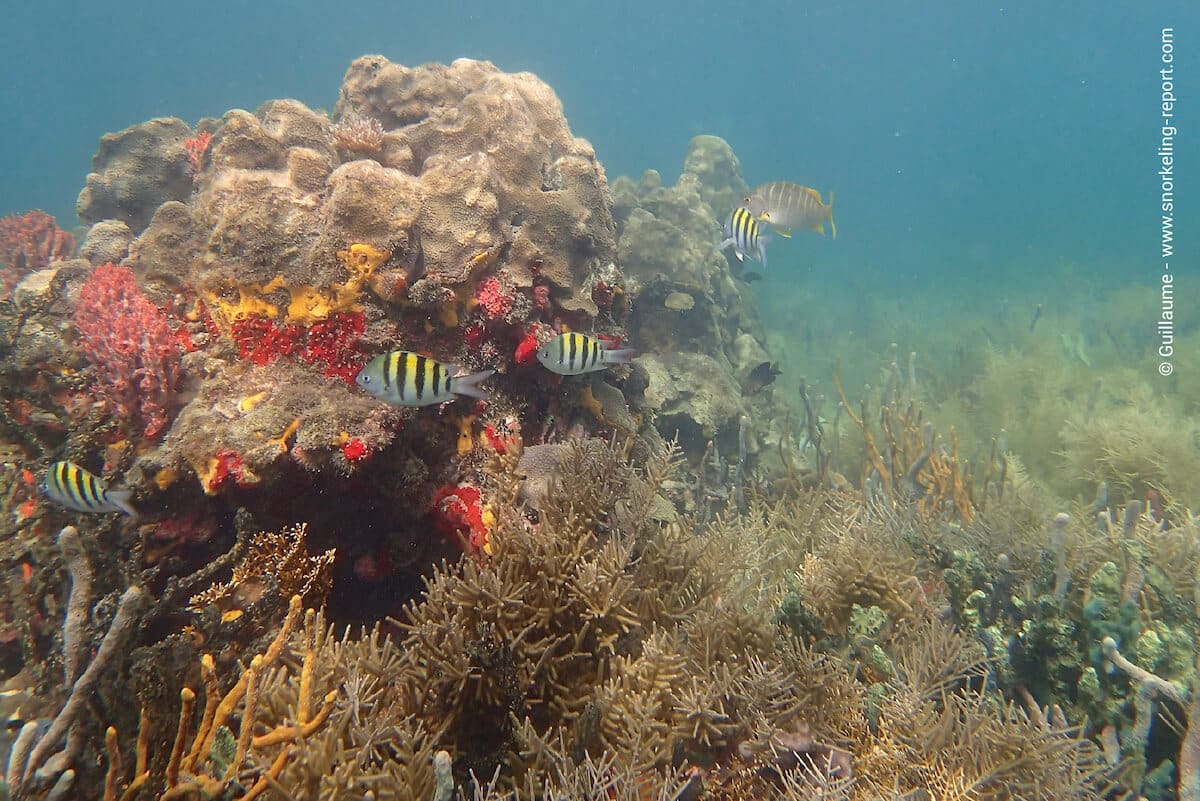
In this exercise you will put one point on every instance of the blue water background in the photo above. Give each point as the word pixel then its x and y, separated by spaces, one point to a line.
pixel 965 141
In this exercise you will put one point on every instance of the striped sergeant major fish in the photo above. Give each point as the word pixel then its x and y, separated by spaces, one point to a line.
pixel 743 232
pixel 574 354
pixel 77 489
pixel 403 378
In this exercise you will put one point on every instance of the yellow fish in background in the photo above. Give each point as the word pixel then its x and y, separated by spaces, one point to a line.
pixel 785 205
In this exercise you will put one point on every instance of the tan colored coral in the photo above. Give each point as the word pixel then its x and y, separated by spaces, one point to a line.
pixel 497 163
pixel 135 171
pixel 281 558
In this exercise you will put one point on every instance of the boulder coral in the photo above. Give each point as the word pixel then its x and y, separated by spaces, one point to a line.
pixel 497 165
pixel 694 318
pixel 444 209
pixel 135 171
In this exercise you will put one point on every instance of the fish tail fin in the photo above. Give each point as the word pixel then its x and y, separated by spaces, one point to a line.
pixel 467 385
pixel 619 356
pixel 121 500
pixel 832 224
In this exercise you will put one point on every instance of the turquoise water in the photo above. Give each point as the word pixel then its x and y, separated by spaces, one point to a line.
pixel 997 189
pixel 959 138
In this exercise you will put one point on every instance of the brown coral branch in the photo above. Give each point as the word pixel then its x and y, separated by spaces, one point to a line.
pixel 79 601
pixel 212 697
pixel 873 455
pixel 247 730
pixel 143 745
pixel 306 667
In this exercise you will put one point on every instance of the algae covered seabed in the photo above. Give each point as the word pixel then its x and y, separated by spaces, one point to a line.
pixel 815 541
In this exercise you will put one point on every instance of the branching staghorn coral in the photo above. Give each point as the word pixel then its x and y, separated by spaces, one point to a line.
pixel 615 655
pixel 607 654
pixel 519 665
pixel 959 743
pixel 858 562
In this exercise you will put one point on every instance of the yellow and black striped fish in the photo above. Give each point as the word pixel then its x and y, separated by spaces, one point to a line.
pixel 743 232
pixel 573 354
pixel 403 378
pixel 75 488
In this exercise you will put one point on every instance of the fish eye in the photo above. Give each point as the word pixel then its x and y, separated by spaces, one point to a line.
pixel 366 379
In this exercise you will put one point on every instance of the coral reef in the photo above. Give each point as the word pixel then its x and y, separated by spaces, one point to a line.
pixel 670 579
pixel 135 171
pixel 697 323
pixel 28 243
pixel 476 228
